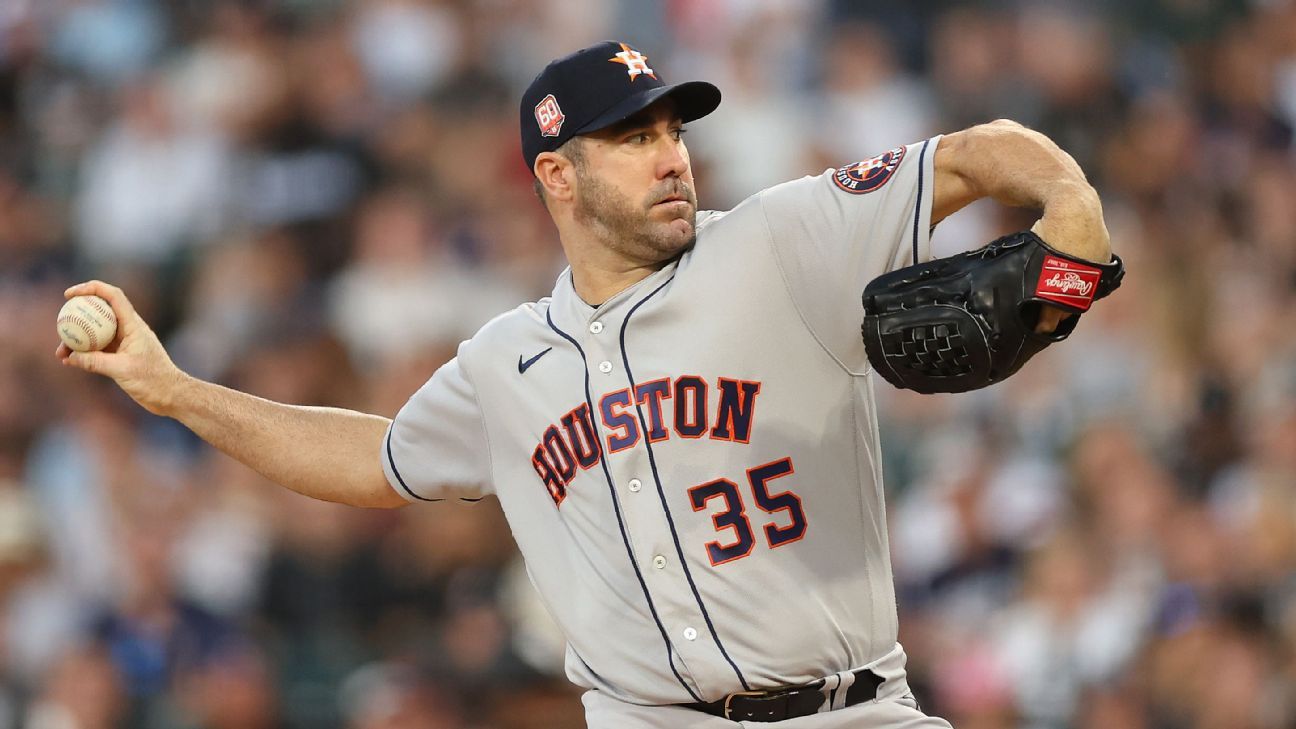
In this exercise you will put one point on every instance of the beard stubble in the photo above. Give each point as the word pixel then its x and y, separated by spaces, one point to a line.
pixel 627 227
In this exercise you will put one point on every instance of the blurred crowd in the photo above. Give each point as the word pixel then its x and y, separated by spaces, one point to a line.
pixel 315 200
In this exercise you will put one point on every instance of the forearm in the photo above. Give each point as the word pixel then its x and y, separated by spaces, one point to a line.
pixel 325 453
pixel 1020 167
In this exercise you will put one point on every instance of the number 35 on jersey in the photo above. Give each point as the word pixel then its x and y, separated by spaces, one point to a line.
pixel 684 407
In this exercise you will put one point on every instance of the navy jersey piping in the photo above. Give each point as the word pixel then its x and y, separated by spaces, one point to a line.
pixel 392 462
pixel 616 508
pixel 652 462
pixel 922 157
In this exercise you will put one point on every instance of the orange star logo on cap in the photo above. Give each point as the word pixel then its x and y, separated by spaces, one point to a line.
pixel 636 62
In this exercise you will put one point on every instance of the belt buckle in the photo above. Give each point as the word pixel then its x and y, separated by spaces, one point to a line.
pixel 736 694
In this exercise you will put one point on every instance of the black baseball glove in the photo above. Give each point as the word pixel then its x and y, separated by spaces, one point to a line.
pixel 961 323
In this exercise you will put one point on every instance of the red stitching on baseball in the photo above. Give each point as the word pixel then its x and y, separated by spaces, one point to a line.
pixel 85 325
pixel 98 305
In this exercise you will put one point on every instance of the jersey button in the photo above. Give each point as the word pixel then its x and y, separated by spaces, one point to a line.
pixel 690 634
pixel 659 562
pixel 605 367
pixel 596 327
pixel 635 484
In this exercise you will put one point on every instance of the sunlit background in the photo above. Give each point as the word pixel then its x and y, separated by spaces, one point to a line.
pixel 290 189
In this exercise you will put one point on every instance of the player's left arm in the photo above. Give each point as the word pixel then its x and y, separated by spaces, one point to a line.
pixel 1016 166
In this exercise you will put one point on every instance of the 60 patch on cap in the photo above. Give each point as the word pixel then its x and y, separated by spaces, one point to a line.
pixel 549 116
pixel 595 88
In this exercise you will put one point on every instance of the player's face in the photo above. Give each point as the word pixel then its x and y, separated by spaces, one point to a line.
pixel 635 186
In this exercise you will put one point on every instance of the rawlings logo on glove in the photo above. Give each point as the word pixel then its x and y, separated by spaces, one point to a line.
pixel 967 321
pixel 1068 282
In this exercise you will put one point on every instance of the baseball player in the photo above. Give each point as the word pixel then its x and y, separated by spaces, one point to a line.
pixel 683 435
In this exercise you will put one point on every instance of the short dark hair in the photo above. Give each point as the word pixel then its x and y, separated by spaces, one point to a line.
pixel 574 150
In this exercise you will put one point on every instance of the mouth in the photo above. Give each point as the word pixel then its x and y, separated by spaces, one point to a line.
pixel 672 200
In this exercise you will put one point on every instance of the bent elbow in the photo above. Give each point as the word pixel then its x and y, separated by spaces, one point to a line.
pixel 1005 124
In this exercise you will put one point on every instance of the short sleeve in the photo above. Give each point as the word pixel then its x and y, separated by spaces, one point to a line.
pixel 833 233
pixel 436 447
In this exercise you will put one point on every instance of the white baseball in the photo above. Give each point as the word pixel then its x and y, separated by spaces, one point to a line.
pixel 86 323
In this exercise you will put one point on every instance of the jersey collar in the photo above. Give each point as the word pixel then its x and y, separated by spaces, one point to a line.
pixel 570 313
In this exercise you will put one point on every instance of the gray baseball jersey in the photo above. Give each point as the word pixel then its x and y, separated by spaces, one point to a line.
pixel 691 469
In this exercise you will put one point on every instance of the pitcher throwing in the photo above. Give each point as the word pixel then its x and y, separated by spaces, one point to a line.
pixel 683 435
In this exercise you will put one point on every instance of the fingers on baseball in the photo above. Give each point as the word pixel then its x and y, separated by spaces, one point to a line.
pixel 116 298
pixel 92 362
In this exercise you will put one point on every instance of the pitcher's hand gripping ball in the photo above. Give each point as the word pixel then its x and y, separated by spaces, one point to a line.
pixel 961 323
pixel 86 323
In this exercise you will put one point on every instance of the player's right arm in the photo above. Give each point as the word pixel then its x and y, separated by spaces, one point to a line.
pixel 325 453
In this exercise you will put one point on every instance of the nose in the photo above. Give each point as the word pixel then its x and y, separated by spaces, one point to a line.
pixel 673 159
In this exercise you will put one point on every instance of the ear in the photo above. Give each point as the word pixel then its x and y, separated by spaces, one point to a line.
pixel 557 174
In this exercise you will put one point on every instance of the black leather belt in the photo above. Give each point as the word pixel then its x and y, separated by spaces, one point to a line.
pixel 788 703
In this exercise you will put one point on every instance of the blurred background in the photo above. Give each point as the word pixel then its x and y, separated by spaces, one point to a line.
pixel 1108 540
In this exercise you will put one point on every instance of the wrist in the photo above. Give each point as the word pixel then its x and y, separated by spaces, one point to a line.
pixel 176 397
pixel 1073 223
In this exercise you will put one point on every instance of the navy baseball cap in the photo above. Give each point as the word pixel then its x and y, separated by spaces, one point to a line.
pixel 597 87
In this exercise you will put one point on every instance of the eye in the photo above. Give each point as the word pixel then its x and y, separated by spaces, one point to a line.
pixel 676 134
pixel 637 138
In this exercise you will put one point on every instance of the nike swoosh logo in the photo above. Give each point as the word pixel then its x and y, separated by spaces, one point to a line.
pixel 524 366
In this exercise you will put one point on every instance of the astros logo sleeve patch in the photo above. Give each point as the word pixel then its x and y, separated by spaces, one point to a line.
pixel 870 174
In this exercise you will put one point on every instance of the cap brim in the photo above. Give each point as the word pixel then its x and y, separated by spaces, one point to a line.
pixel 693 100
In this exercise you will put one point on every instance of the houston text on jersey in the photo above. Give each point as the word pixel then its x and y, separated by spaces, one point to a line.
pixel 682 406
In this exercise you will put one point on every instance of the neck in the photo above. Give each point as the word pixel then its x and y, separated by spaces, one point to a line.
pixel 596 284
pixel 599 271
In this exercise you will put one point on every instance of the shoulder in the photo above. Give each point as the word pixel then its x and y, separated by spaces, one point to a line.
pixel 749 220
pixel 792 188
pixel 708 218
pixel 713 222
pixel 720 232
pixel 752 203
pixel 506 332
